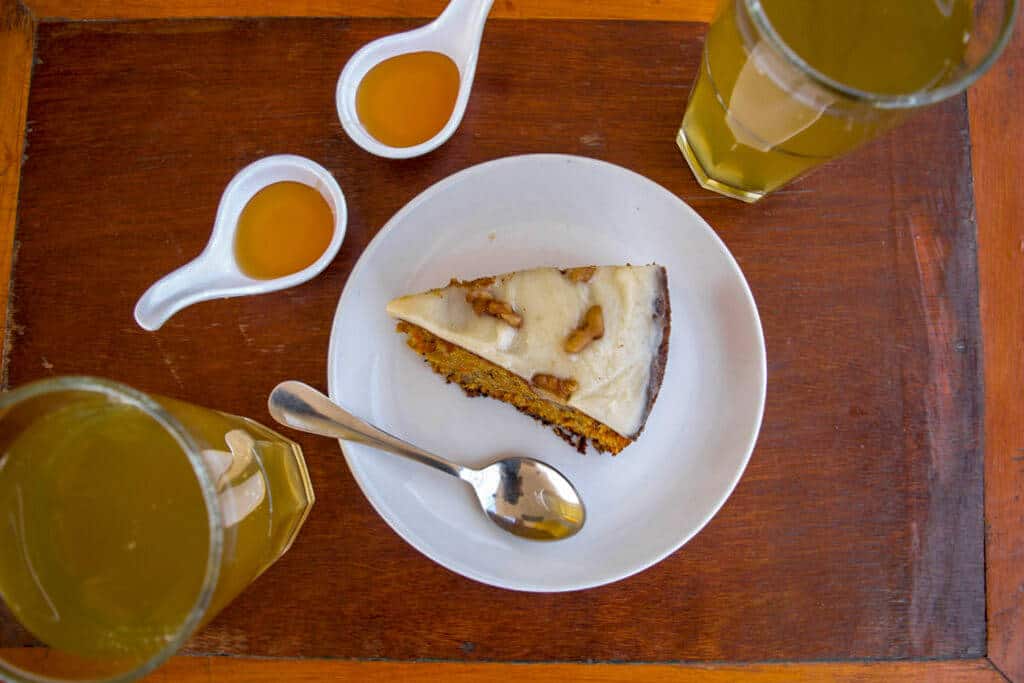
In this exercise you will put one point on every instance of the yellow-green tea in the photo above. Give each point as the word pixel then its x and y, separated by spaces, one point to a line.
pixel 103 526
pixel 754 122
pixel 104 531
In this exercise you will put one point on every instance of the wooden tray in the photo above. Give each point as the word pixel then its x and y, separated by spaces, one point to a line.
pixel 857 531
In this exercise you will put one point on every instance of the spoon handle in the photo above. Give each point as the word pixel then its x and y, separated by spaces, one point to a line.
pixel 302 407
pixel 193 282
pixel 468 17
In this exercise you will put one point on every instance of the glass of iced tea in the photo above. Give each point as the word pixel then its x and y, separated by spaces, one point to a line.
pixel 786 85
pixel 127 521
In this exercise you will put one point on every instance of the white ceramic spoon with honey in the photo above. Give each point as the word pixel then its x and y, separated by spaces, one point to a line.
pixel 456 33
pixel 215 273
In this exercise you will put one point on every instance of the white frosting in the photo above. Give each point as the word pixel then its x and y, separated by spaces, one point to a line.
pixel 612 372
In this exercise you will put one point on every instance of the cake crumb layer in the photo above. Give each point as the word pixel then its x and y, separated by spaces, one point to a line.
pixel 478 376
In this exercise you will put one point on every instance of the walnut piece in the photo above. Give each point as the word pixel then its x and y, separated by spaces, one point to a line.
pixel 479 298
pixel 562 388
pixel 590 328
pixel 582 274
pixel 483 302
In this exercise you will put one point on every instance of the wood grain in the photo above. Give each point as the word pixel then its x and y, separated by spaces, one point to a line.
pixel 856 531
pixel 997 107
pixel 663 10
pixel 234 669
pixel 17 32
pixel 229 670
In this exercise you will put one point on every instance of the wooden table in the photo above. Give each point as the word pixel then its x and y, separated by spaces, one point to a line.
pixel 890 401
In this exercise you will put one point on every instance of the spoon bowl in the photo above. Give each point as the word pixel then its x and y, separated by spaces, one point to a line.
pixel 523 496
pixel 528 498
pixel 215 273
pixel 455 33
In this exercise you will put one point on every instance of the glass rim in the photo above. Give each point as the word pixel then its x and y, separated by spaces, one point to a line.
pixel 879 100
pixel 180 434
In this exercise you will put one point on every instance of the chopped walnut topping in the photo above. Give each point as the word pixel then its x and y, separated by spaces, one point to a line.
pixel 479 298
pixel 582 274
pixel 562 388
pixel 483 302
pixel 590 328
pixel 502 310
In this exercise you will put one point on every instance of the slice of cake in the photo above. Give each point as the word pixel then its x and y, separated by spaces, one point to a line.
pixel 581 349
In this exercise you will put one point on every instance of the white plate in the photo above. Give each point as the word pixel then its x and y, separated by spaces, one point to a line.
pixel 551 210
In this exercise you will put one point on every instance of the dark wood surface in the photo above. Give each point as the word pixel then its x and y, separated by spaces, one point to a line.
pixel 857 529
pixel 78 10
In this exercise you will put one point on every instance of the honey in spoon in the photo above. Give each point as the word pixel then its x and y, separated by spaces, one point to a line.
pixel 406 100
pixel 283 229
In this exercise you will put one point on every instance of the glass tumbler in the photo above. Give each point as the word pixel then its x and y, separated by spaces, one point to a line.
pixel 127 521
pixel 762 112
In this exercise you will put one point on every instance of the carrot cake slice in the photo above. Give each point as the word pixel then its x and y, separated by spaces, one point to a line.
pixel 582 349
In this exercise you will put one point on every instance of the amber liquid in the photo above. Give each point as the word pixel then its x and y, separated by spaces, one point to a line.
pixel 754 123
pixel 105 534
pixel 406 100
pixel 284 228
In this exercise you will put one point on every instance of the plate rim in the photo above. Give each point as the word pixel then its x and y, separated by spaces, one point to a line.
pixel 483 167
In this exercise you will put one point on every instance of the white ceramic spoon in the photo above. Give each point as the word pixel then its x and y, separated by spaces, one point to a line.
pixel 215 273
pixel 455 33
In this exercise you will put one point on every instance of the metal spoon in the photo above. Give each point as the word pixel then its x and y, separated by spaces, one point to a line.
pixel 521 495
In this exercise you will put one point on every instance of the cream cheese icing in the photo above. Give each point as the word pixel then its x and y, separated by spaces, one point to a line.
pixel 612 373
